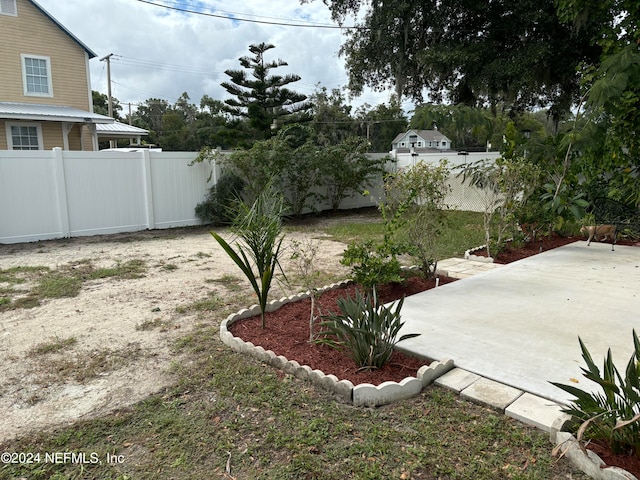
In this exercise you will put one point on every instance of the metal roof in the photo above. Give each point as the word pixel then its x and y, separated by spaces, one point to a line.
pixel 52 113
pixel 119 129
pixel 90 52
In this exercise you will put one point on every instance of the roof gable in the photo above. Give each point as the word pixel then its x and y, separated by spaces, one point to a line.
pixel 426 135
pixel 90 52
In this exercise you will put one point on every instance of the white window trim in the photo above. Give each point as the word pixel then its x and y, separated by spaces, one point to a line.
pixel 24 56
pixel 13 12
pixel 24 124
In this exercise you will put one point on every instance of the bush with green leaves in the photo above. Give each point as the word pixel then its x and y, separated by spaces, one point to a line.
pixel 218 206
pixel 259 229
pixel 347 169
pixel 418 193
pixel 613 414
pixel 373 264
pixel 365 328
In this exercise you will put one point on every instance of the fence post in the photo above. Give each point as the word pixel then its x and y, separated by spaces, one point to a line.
pixel 148 189
pixel 61 192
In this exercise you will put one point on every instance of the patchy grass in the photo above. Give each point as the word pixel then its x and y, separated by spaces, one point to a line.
pixel 53 346
pixel 38 283
pixel 58 285
pixel 230 282
pixel 156 323
pixel 85 365
pixel 130 269
pixel 230 414
pixel 211 303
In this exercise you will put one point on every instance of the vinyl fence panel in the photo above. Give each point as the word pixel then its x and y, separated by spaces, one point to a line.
pixel 56 194
pixel 176 188
pixel 105 193
pixel 28 197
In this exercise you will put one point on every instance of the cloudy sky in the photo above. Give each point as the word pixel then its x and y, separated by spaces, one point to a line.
pixel 159 52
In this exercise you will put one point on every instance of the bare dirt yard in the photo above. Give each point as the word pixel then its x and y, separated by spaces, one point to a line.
pixel 87 324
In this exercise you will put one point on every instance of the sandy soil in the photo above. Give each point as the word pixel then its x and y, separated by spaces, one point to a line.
pixel 107 320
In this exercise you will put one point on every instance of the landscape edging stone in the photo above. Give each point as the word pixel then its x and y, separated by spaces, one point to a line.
pixel 587 461
pixel 470 255
pixel 359 395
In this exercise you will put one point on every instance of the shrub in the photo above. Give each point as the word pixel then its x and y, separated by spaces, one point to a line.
pixel 373 264
pixel 612 415
pixel 217 208
pixel 366 329
pixel 418 193
pixel 508 184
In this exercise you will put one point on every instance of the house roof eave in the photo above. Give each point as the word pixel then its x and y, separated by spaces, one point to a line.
pixel 49 113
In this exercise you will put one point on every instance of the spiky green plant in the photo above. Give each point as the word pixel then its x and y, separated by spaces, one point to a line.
pixel 365 328
pixel 612 415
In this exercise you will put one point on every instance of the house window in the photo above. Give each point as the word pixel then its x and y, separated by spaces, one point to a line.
pixel 36 76
pixel 24 136
pixel 8 7
pixel 413 139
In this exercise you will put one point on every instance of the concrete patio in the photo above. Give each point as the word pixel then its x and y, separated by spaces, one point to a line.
pixel 519 324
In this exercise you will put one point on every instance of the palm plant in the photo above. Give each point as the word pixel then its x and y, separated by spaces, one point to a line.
pixel 259 228
pixel 612 415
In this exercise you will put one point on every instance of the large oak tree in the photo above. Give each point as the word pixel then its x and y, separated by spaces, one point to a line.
pixel 480 53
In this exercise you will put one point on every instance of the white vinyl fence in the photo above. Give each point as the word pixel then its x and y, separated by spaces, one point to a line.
pixel 58 194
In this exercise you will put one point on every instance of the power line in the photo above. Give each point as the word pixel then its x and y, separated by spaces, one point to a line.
pixel 136 62
pixel 239 19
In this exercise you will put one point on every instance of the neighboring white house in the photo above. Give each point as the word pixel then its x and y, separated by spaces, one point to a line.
pixel 421 141
pixel 431 146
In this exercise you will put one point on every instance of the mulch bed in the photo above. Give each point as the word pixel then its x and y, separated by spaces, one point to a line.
pixel 631 463
pixel 287 334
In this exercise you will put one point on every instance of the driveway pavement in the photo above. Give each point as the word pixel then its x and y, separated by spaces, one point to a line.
pixel 519 324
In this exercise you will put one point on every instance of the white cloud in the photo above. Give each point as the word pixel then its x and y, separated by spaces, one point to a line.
pixel 162 53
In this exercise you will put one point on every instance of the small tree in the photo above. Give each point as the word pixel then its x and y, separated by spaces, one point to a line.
pixel 375 263
pixel 304 255
pixel 347 169
pixel 508 184
pixel 259 228
pixel 420 192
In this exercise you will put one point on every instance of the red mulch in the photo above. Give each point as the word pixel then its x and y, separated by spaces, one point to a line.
pixel 287 334
pixel 511 254
pixel 630 463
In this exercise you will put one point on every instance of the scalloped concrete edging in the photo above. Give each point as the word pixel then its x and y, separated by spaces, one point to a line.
pixel 469 255
pixel 364 394
pixel 586 460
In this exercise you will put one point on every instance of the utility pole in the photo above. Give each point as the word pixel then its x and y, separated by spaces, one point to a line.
pixel 107 58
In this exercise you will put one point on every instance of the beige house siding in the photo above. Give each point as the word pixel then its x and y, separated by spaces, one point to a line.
pixel 53 136
pixel 3 135
pixel 32 33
